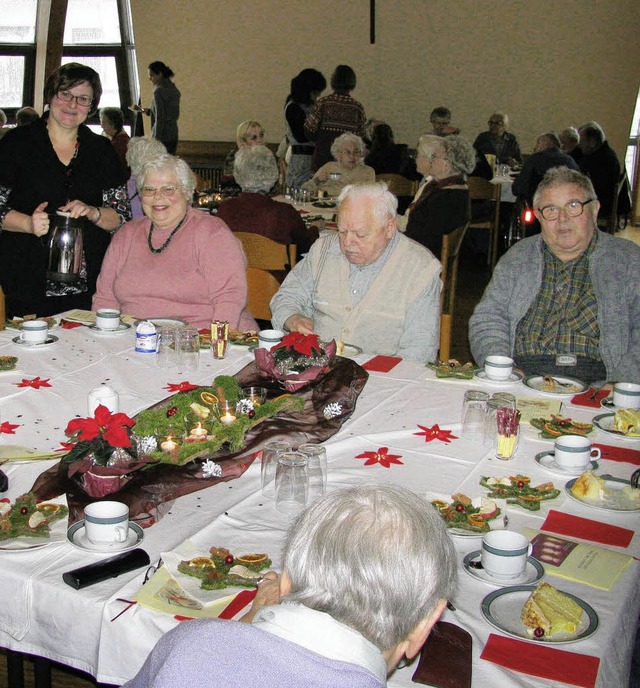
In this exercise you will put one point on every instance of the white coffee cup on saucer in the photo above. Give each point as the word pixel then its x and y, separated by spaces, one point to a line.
pixel 108 319
pixel 626 395
pixel 34 331
pixel 574 452
pixel 504 553
pixel 106 522
pixel 498 368
pixel 269 338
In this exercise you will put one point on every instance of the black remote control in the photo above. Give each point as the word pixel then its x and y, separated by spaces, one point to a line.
pixel 107 568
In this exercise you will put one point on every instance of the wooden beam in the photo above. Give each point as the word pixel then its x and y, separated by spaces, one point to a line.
pixel 55 35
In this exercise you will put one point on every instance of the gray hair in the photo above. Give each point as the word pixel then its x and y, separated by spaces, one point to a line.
pixel 344 140
pixel 243 130
pixel 570 134
pixel 140 149
pixel 375 557
pixel 559 176
pixel 592 131
pixel 26 115
pixel 551 137
pixel 255 169
pixel 170 163
pixel 505 118
pixel 459 152
pixel 385 204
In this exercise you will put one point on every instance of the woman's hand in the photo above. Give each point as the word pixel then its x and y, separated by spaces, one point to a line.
pixel 321 177
pixel 79 209
pixel 39 221
pixel 299 323
pixel 267 595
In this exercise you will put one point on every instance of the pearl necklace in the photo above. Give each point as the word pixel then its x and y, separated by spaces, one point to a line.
pixel 168 241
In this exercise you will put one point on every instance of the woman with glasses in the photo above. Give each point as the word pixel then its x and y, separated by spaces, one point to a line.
pixel 57 164
pixel 177 261
pixel 348 152
pixel 165 107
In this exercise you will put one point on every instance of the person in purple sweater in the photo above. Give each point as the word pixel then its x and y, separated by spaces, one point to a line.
pixel 337 615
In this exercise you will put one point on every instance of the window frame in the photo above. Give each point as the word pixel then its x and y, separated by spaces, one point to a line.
pixel 28 51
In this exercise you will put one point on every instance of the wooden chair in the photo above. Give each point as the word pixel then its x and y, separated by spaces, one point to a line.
pixel 399 185
pixel 266 254
pixel 609 223
pixel 482 190
pixel 262 287
pixel 449 257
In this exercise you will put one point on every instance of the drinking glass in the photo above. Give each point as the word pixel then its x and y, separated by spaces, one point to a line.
pixel 188 346
pixel 498 400
pixel 474 409
pixel 270 453
pixel 316 468
pixel 292 482
pixel 167 356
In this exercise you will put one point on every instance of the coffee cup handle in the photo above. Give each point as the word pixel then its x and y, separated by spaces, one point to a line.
pixel 122 533
pixel 529 550
pixel 595 453
pixel 22 336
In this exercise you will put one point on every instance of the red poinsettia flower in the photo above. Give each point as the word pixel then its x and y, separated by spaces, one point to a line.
pixel 8 428
pixel 435 433
pixel 382 457
pixel 180 386
pixel 36 383
pixel 113 427
pixel 306 344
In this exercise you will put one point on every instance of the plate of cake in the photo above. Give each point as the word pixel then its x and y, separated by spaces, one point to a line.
pixel 624 424
pixel 611 494
pixel 540 613
pixel 555 385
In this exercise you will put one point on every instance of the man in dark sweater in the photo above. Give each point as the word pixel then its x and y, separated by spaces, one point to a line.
pixel 600 164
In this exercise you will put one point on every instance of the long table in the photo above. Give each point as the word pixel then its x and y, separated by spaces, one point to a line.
pixel 41 615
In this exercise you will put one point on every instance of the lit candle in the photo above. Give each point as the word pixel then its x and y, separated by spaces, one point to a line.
pixel 228 418
pixel 198 431
pixel 169 445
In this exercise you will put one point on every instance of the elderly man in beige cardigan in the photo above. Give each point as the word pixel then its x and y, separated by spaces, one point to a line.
pixel 367 285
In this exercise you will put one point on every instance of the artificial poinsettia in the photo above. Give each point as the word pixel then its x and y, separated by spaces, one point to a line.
pixel 180 386
pixel 305 344
pixel 381 456
pixel 100 435
pixel 436 433
pixel 35 382
pixel 8 428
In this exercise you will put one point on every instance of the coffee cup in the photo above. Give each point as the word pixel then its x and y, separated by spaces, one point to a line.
pixel 573 452
pixel 106 522
pixel 108 319
pixel 626 395
pixel 504 553
pixel 267 339
pixel 498 367
pixel 34 331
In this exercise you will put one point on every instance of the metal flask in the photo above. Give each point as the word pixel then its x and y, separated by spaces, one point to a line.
pixel 65 247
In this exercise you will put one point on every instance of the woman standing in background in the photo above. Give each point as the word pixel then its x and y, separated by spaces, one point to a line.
pixel 165 108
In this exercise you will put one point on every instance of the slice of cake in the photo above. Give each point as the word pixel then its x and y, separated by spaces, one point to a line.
pixel 627 421
pixel 549 611
pixel 589 486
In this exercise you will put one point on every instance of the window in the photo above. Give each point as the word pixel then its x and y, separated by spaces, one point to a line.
pixel 17 53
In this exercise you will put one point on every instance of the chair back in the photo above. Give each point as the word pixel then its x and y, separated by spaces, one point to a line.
pixel 610 223
pixel 449 257
pixel 266 254
pixel 3 314
pixel 398 185
pixel 482 190
pixel 261 287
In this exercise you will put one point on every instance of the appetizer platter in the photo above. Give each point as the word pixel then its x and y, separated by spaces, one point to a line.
pixel 553 427
pixel 465 516
pixel 518 491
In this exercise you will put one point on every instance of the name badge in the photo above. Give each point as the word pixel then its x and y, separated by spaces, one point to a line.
pixel 566 360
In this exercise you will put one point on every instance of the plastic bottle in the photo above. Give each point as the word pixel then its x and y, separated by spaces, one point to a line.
pixel 146 338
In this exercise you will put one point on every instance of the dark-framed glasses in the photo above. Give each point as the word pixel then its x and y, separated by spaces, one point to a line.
pixel 149 191
pixel 570 209
pixel 82 101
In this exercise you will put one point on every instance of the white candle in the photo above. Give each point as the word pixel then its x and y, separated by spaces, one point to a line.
pixel 228 418
pixel 169 445
pixel 198 431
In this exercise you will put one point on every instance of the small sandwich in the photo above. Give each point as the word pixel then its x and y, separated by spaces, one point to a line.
pixel 548 612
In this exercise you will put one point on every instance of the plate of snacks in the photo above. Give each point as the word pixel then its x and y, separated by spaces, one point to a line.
pixel 467 517
pixel 518 491
pixel 553 427
pixel 243 338
pixel 555 385
pixel 540 613
pixel 610 494
pixel 453 369
pixel 16 323
pixel 8 363
pixel 624 423
pixel 26 524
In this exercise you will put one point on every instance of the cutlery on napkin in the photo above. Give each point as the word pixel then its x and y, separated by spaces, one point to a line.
pixel 591 398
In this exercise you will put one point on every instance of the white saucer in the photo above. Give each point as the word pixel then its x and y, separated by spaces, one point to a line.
pixel 49 341
pixel 122 327
pixel 514 377
pixel 533 572
pixel 547 460
pixel 608 405
pixel 77 537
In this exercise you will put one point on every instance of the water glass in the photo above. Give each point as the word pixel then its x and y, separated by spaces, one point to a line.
pixel 316 468
pixel 167 357
pixel 292 482
pixel 474 409
pixel 270 453
pixel 188 345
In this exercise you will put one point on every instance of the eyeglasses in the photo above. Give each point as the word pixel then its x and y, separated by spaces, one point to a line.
pixel 82 101
pixel 571 209
pixel 355 153
pixel 149 191
pixel 496 121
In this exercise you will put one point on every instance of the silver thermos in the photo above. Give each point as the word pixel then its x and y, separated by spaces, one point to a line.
pixel 65 247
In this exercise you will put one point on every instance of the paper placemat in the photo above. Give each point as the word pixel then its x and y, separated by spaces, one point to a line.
pixel 381 364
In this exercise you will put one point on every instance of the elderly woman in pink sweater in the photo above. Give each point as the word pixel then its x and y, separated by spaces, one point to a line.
pixel 176 261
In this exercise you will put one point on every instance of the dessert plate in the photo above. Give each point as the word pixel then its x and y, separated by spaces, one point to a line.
pixel 547 460
pixel 122 327
pixel 165 322
pixel 574 386
pixel 49 341
pixel 616 500
pixel 604 422
pixel 350 350
pixel 502 609
pixel 533 572
pixel 515 376
pixel 78 538
pixel 607 403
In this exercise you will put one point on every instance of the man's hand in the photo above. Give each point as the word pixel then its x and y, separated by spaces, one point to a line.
pixel 299 323
pixel 268 594
pixel 39 224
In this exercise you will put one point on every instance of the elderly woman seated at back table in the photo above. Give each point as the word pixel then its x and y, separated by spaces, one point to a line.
pixel 177 261
pixel 443 203
pixel 256 170
pixel 348 168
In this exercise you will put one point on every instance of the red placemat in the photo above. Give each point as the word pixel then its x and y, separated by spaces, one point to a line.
pixel 584 398
pixel 622 454
pixel 381 364
pixel 586 529
pixel 542 661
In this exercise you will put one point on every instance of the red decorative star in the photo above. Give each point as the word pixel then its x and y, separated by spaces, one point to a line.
pixel 434 433
pixel 36 383
pixel 66 446
pixel 8 428
pixel 180 386
pixel 381 456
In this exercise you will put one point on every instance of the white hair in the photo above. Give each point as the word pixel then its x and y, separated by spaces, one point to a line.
pixel 561 176
pixel 170 163
pixel 344 140
pixel 375 557
pixel 140 149
pixel 255 169
pixel 385 204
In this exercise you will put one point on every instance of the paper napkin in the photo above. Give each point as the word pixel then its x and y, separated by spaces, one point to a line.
pixel 586 529
pixel 543 661
pixel 622 454
pixel 584 398
pixel 381 364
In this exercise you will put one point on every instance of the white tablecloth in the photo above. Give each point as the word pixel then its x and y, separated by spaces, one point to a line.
pixel 41 615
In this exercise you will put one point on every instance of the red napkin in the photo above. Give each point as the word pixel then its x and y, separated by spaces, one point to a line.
pixel 586 529
pixel 69 324
pixel 541 660
pixel 381 364
pixel 622 454
pixel 331 225
pixel 583 399
pixel 240 601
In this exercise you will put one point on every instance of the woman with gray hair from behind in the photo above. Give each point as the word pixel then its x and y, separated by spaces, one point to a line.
pixel 342 614
pixel 443 203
